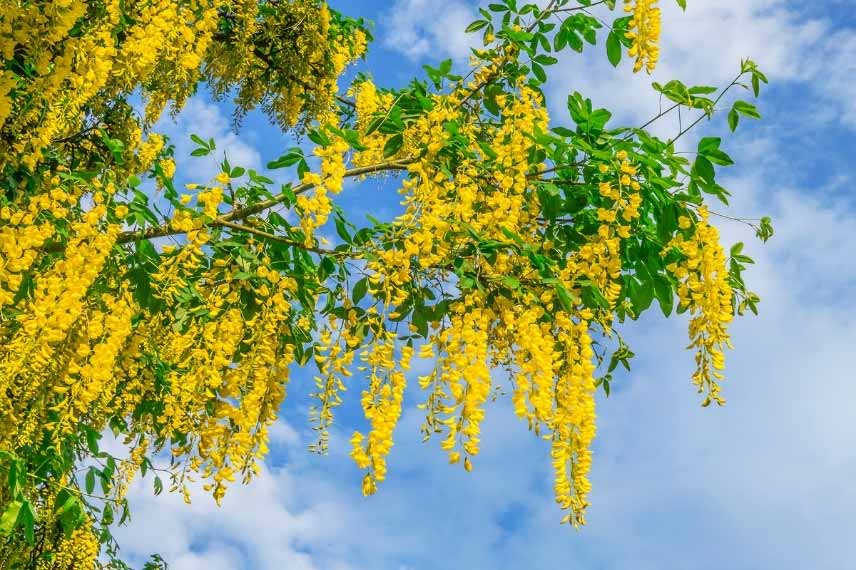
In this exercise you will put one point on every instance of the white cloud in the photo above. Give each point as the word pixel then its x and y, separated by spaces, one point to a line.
pixel 832 68
pixel 261 526
pixel 208 121
pixel 429 28
pixel 702 46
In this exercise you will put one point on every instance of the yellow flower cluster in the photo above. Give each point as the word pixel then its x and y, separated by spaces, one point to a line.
pixel 38 348
pixel 547 350
pixel 87 55
pixel 368 103
pixel 315 207
pixel 704 289
pixel 334 358
pixel 178 265
pixel 78 345
pixel 148 151
pixel 236 436
pixel 288 65
pixel 24 230
pixel 84 70
pixel 382 406
pixel 644 31
pixel 231 375
pixel 80 550
pixel 189 344
pixel 574 422
pixel 464 376
pixel 90 383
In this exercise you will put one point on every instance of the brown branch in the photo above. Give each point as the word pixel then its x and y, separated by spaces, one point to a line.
pixel 240 213
pixel 543 15
pixel 710 113
pixel 250 230
pixel 360 171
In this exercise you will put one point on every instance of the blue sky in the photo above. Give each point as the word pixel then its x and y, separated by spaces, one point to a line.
pixel 765 482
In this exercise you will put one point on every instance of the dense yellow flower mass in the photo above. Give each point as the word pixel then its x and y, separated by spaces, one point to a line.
pixel 89 57
pixel 79 550
pixel 548 348
pixel 174 322
pixel 78 350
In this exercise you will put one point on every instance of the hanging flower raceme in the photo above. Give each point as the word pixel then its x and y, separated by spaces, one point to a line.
pixel 705 290
pixel 644 31
pixel 553 390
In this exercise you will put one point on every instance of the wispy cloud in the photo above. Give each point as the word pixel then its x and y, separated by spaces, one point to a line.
pixel 208 120
pixel 432 29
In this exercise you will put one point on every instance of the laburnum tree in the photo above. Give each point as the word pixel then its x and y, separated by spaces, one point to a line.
pixel 171 319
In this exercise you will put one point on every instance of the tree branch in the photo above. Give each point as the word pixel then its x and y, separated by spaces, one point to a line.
pixel 240 213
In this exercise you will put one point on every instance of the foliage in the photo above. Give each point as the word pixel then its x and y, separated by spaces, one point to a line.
pixel 172 319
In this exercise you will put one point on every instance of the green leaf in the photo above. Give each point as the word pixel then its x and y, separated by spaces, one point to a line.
pixel 90 480
pixel 613 49
pixel 353 139
pixel 319 138
pixel 702 90
pixel 511 282
pixel 69 512
pixel 747 109
pixel 15 476
pixel 707 144
pixel 765 230
pixel 719 157
pixel 342 230
pixel 544 59
pixel 704 170
pixel 290 158
pixel 598 119
pixel 733 120
pixel 574 41
pixel 488 151
pixel 708 147
pixel 664 293
pixel 361 287
pixel 27 519
pixel 107 514
pixel 93 436
pixel 10 517
pixel 302 168
pixel 756 85
pixel 326 268
pixel 640 291
pixel 393 145
pixel 565 298
pixel 475 26
pixel 682 4
pixel 593 298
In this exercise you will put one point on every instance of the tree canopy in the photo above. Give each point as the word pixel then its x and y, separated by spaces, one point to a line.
pixel 173 317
